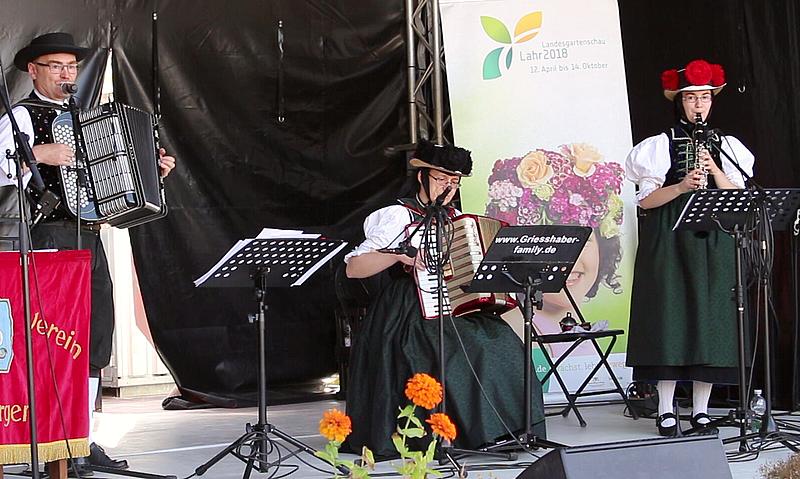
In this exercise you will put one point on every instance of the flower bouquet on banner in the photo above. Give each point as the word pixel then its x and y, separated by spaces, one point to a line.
pixel 568 186
pixel 424 392
pixel 571 185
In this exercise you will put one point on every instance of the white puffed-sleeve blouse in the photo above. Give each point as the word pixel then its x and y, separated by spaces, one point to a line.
pixel 647 164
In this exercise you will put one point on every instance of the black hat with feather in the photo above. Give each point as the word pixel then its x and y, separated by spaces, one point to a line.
pixel 449 159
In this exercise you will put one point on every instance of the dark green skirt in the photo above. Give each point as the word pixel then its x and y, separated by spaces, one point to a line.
pixel 395 342
pixel 683 313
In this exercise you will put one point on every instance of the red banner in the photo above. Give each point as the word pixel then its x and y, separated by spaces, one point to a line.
pixel 60 292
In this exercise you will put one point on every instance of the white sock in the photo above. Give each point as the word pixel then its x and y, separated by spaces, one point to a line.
pixel 666 392
pixel 701 393
pixel 94 384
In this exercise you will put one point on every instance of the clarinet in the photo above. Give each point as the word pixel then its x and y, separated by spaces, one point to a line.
pixel 699 139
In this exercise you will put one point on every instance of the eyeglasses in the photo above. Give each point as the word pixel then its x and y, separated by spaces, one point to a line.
pixel 693 98
pixel 442 181
pixel 57 68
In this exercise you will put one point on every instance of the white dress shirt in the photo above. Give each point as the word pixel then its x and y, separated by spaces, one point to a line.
pixel 8 168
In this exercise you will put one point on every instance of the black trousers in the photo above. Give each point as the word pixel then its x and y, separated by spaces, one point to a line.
pixel 9 218
pixel 61 235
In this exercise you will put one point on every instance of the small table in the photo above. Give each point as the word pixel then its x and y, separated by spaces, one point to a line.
pixel 577 339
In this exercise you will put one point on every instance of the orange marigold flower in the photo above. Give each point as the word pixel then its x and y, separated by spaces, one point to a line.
pixel 424 391
pixel 335 425
pixel 442 425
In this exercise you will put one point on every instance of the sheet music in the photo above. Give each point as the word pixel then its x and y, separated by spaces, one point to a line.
pixel 274 233
pixel 683 212
pixel 234 249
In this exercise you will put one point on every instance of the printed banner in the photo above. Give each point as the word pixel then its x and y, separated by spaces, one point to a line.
pixel 60 295
pixel 538 94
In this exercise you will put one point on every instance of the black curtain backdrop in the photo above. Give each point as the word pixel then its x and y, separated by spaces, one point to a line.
pixel 90 29
pixel 342 93
pixel 241 168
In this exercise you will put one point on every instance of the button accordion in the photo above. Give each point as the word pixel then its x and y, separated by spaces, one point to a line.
pixel 470 238
pixel 123 184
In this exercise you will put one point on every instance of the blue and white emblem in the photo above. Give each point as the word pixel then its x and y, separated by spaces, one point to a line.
pixel 6 336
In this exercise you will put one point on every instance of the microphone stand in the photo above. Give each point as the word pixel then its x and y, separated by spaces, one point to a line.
pixel 436 215
pixel 761 200
pixel 78 167
pixel 24 154
pixel 748 180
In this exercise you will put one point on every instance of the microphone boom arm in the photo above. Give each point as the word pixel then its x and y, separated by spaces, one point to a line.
pixel 748 179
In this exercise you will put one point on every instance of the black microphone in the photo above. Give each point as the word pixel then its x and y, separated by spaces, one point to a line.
pixel 47 203
pixel 402 248
pixel 440 199
pixel 69 88
pixel 715 134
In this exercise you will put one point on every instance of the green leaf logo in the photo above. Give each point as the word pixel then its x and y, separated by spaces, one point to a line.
pixel 496 30
pixel 491 64
pixel 526 29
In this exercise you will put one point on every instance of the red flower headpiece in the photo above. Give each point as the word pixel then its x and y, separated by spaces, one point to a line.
pixel 697 75
pixel 670 79
pixel 717 75
pixel 698 72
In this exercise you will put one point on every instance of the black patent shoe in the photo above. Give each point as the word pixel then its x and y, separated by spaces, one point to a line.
pixel 79 467
pixel 667 431
pixel 98 457
pixel 702 428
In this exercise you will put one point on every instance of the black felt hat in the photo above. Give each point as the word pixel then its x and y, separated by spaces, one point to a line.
pixel 56 42
pixel 449 159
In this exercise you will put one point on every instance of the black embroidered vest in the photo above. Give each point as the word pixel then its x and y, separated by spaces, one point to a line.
pixel 680 146
pixel 42 115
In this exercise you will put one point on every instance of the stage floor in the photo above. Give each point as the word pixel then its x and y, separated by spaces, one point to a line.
pixel 177 442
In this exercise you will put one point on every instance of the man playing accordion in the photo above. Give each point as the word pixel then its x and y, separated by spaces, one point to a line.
pixel 52 61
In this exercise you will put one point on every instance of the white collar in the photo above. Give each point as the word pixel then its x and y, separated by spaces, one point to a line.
pixel 49 100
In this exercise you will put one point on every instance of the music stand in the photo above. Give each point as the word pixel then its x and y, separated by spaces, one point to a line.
pixel 533 260
pixel 732 211
pixel 263 264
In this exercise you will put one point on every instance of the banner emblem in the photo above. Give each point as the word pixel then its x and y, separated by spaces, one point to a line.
pixel 6 336
pixel 526 29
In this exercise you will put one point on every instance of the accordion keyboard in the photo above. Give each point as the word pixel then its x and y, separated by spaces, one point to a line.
pixel 471 236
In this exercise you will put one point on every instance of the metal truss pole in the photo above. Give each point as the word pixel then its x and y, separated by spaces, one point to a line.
pixel 426 70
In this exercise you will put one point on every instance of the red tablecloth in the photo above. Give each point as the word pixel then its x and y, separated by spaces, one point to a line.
pixel 60 323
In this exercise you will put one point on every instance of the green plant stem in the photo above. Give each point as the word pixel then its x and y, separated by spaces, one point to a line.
pixel 408 422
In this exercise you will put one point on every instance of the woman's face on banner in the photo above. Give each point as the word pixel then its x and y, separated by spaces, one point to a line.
pixel 580 281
